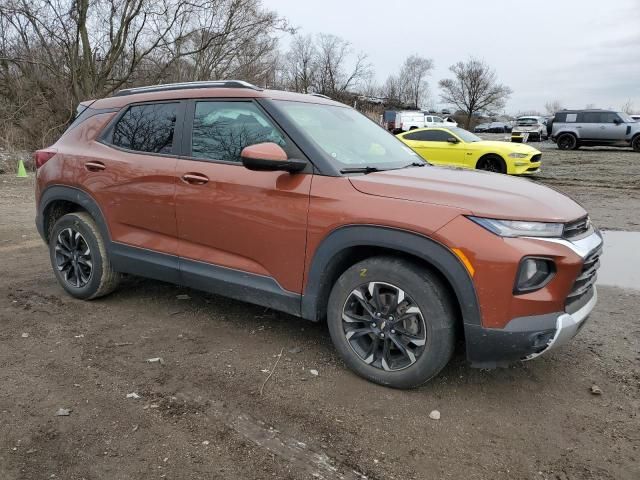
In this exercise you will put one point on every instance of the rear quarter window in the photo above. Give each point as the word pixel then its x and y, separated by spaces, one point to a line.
pixel 146 128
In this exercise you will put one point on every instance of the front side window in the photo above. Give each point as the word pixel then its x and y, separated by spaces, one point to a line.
pixel 222 129
pixel 146 128
pixel 346 136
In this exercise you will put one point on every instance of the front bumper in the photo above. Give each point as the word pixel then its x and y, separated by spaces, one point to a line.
pixel 528 337
pixel 524 338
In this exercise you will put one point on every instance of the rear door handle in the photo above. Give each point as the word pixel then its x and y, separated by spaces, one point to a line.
pixel 94 166
pixel 195 178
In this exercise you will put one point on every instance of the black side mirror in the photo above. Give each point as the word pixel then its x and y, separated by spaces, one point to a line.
pixel 453 140
pixel 617 121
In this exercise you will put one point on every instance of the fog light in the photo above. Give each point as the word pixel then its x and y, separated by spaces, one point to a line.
pixel 533 274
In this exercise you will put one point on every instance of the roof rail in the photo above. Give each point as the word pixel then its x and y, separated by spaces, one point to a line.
pixel 320 95
pixel 187 85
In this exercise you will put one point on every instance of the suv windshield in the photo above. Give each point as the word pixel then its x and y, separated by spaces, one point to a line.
pixel 348 137
pixel 527 121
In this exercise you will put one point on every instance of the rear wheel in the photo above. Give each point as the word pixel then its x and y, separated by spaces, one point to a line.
pixel 392 322
pixel 492 163
pixel 79 257
pixel 566 141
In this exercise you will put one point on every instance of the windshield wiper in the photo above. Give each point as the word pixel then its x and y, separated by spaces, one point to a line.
pixel 414 164
pixel 365 169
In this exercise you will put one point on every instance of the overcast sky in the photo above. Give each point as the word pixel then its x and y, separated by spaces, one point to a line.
pixel 577 51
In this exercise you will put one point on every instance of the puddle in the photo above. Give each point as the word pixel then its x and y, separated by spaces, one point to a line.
pixel 620 262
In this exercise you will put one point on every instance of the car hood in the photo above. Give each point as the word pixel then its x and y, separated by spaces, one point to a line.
pixel 479 193
pixel 506 146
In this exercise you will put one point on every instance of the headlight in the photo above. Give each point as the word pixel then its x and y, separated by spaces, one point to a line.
pixel 518 155
pixel 519 228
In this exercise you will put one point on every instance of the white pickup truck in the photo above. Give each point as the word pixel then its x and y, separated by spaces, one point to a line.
pixel 435 121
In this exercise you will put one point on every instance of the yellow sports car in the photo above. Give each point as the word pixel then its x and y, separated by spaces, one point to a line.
pixel 460 148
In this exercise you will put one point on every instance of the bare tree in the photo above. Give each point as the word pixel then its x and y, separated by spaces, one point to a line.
pixel 55 53
pixel 412 78
pixel 302 67
pixel 627 107
pixel 474 88
pixel 552 107
pixel 334 76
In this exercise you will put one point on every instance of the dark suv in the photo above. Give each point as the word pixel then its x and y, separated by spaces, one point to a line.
pixel 302 204
pixel 575 128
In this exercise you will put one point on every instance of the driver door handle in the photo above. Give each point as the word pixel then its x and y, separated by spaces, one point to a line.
pixel 94 166
pixel 195 178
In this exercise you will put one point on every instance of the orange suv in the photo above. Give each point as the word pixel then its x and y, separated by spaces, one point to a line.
pixel 301 204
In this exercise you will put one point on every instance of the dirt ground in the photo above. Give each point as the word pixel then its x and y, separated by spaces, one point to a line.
pixel 201 415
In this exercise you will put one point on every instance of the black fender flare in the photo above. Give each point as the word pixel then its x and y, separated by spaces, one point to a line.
pixel 434 253
pixel 73 195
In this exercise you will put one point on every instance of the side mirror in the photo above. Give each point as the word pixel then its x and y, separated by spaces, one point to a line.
pixel 453 140
pixel 617 121
pixel 269 157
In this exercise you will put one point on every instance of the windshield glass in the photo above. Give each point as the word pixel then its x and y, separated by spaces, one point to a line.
pixel 527 121
pixel 626 118
pixel 349 138
pixel 464 135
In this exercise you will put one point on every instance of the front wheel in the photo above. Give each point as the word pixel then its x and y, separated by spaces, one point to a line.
pixel 492 163
pixel 79 257
pixel 636 143
pixel 392 322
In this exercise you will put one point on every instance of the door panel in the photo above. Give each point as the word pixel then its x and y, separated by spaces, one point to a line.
pixel 250 221
pixel 136 193
pixel 441 153
pixel 132 175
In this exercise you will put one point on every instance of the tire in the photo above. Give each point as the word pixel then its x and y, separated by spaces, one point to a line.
pixel 635 143
pixel 492 163
pixel 567 141
pixel 372 351
pixel 79 257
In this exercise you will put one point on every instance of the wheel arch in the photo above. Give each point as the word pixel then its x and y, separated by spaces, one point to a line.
pixel 58 200
pixel 348 245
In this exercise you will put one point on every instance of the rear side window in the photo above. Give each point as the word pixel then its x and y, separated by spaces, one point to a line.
pixel 146 128
pixel 429 136
pixel 590 117
pixel 222 129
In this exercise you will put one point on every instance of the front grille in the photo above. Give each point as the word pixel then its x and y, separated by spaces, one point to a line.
pixel 576 228
pixel 583 287
pixel 536 158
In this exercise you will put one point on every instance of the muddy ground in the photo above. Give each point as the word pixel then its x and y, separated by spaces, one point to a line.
pixel 201 415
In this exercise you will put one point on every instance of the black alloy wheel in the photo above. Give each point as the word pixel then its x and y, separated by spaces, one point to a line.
pixel 73 258
pixel 567 142
pixel 384 326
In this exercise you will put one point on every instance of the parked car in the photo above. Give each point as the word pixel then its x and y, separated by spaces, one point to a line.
pixel 497 127
pixel 575 128
pixel 435 121
pixel 481 127
pixel 303 205
pixel 460 148
pixel 636 117
pixel 534 128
